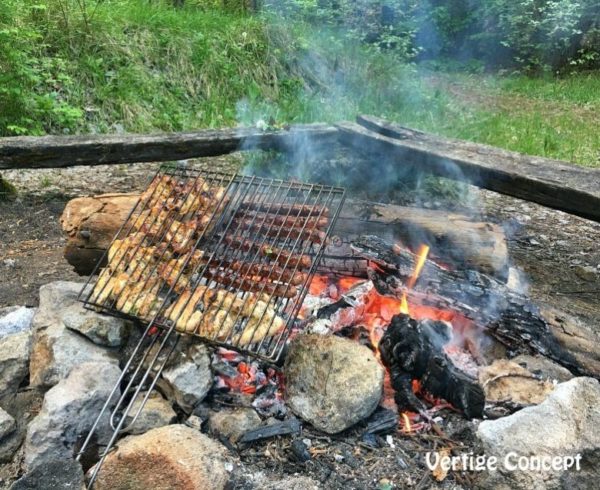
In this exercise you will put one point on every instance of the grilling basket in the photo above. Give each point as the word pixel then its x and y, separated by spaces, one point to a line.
pixel 223 257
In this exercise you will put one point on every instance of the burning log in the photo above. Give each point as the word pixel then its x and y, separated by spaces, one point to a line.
pixel 414 350
pixel 504 313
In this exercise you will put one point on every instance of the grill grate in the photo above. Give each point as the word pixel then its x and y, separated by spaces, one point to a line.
pixel 225 257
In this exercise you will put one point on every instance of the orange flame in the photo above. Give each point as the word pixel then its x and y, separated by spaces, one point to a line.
pixel 421 259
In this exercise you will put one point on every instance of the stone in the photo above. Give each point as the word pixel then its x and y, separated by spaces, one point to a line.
pixel 15 320
pixel 54 474
pixel 69 410
pixel 7 424
pixel 565 424
pixel 14 361
pixel 188 377
pixel 233 423
pixel 543 367
pixel 56 350
pixel 157 412
pixel 507 381
pixel 174 456
pixel 332 382
pixel 55 297
pixel 100 329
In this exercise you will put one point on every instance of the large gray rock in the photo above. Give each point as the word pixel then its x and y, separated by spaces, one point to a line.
pixel 332 382
pixel 68 413
pixel 57 474
pixel 565 424
pixel 56 349
pixel 171 457
pixel 232 423
pixel 15 319
pixel 188 377
pixel 14 361
pixel 157 412
pixel 55 297
pixel 100 329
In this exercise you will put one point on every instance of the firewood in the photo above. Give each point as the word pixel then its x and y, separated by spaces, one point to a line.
pixel 504 313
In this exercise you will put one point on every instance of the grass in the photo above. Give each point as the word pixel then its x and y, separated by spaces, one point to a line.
pixel 144 66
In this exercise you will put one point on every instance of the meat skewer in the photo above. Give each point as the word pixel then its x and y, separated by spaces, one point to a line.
pixel 254 284
pixel 293 233
pixel 308 222
pixel 293 210
pixel 283 257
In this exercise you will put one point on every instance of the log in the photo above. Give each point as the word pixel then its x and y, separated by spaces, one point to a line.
pixel 414 350
pixel 90 224
pixel 507 315
pixel 552 183
pixel 67 151
pixel 454 238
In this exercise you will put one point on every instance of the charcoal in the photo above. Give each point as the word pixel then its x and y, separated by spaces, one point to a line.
pixel 299 451
pixel 289 426
pixel 383 421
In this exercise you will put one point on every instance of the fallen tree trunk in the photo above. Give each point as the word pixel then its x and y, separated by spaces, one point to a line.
pixel 90 224
pixel 551 183
pixel 505 314
pixel 68 151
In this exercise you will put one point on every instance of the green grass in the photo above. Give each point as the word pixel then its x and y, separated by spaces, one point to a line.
pixel 142 66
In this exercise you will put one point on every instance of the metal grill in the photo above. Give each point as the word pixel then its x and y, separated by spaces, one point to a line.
pixel 224 257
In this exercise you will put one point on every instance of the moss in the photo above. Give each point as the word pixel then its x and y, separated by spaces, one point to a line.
pixel 7 190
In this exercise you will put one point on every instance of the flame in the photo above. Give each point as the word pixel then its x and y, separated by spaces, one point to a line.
pixel 422 254
pixel 406 427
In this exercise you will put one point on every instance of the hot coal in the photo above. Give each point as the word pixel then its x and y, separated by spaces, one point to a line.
pixel 415 350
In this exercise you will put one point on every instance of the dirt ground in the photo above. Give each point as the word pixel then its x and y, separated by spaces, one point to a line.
pixel 559 254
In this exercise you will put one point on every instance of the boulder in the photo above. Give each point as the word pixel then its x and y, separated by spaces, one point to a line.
pixel 69 410
pixel 54 474
pixel 564 424
pixel 55 297
pixel 14 361
pixel 166 458
pixel 15 320
pixel 332 382
pixel 233 423
pixel 188 377
pixel 157 412
pixel 100 329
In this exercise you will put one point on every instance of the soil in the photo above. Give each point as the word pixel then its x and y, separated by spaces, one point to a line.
pixel 558 254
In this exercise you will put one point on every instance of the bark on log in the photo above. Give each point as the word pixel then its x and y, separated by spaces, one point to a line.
pixel 454 238
pixel 90 224
pixel 505 314
pixel 552 183
pixel 67 151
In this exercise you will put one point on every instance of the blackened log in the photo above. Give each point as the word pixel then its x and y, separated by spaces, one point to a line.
pixel 382 421
pixel 68 151
pixel 552 183
pixel 414 350
pixel 506 314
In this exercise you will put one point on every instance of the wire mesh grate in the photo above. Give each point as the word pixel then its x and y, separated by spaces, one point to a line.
pixel 225 257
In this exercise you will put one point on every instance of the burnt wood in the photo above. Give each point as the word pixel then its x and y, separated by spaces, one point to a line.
pixel 67 151
pixel 414 350
pixel 504 313
pixel 552 183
